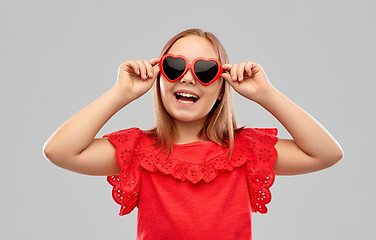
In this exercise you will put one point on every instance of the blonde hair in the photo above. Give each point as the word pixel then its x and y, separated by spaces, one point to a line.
pixel 220 125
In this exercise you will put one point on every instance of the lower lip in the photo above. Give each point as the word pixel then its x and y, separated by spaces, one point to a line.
pixel 184 104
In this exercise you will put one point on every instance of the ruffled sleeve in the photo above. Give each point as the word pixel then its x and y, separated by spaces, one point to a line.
pixel 260 142
pixel 126 185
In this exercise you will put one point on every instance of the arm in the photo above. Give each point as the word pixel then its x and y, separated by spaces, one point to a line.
pixel 66 146
pixel 73 146
pixel 312 148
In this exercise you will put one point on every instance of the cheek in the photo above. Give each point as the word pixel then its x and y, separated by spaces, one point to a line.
pixel 216 88
pixel 165 88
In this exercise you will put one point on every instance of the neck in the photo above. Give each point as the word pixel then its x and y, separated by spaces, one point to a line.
pixel 187 132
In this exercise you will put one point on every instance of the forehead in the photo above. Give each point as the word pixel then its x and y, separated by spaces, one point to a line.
pixel 192 47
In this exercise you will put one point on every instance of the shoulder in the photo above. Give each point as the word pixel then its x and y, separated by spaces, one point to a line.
pixel 125 132
pixel 257 142
pixel 257 135
pixel 128 136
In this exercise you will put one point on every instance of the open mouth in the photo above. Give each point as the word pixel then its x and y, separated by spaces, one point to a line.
pixel 186 97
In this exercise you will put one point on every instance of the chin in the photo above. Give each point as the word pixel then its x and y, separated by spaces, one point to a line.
pixel 186 118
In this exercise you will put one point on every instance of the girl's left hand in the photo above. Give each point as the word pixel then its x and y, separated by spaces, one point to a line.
pixel 248 79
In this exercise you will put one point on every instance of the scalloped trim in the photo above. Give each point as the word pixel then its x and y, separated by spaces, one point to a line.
pixel 253 146
pixel 260 172
pixel 127 184
pixel 127 199
pixel 189 171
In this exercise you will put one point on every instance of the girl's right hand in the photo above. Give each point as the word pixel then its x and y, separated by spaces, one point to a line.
pixel 135 78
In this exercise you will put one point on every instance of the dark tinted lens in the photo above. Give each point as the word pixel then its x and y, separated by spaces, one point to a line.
pixel 173 67
pixel 206 70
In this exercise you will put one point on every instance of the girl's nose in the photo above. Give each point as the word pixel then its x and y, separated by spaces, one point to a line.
pixel 188 78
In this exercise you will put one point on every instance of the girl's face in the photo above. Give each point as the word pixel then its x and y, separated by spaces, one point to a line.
pixel 181 108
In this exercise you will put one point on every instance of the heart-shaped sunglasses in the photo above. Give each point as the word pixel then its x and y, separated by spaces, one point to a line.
pixel 205 70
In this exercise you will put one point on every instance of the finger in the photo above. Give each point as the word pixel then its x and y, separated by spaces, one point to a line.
pixel 256 68
pixel 240 71
pixel 248 68
pixel 154 61
pixel 149 69
pixel 226 76
pixel 226 67
pixel 142 66
pixel 156 72
pixel 134 66
pixel 233 72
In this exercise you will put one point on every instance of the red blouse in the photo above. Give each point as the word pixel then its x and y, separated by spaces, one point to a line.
pixel 198 192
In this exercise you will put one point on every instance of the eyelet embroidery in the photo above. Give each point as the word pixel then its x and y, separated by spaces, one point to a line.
pixel 260 173
pixel 188 171
pixel 126 185
pixel 257 152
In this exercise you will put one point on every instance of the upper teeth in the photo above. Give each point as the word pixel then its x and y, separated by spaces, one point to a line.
pixel 186 95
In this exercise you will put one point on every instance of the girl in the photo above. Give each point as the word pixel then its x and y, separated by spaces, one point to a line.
pixel 195 175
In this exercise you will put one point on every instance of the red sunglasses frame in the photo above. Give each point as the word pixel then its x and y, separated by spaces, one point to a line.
pixel 190 66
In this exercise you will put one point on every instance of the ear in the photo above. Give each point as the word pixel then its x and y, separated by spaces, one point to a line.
pixel 220 96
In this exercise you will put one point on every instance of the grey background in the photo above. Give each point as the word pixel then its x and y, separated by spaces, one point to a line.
pixel 58 56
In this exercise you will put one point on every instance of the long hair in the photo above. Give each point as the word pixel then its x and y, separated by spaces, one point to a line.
pixel 220 125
